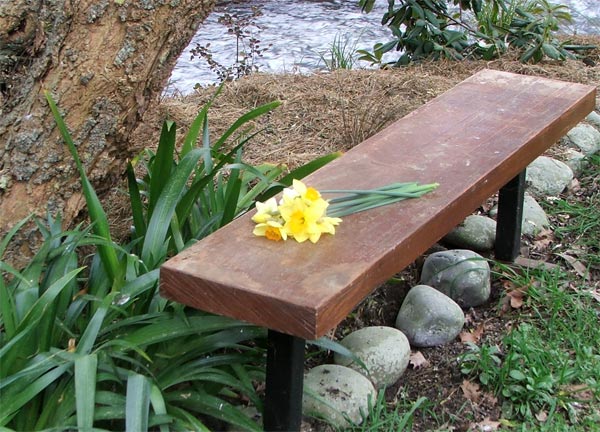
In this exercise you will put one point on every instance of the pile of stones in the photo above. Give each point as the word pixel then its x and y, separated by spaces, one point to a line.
pixel 451 281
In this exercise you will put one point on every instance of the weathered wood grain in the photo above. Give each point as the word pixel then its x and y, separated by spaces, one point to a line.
pixel 471 140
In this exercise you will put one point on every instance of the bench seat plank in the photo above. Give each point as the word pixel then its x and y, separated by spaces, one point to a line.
pixel 471 140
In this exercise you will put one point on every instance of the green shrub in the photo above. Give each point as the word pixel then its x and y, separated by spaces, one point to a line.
pixel 91 344
pixel 479 29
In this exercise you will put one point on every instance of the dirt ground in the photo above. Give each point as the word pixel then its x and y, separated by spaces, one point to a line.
pixel 328 112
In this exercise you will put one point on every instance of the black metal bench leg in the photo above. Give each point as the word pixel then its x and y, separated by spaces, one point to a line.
pixel 510 216
pixel 285 378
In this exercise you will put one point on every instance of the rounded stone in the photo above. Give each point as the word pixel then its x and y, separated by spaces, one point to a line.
pixel 594 119
pixel 534 217
pixel 585 137
pixel 575 160
pixel 385 351
pixel 333 392
pixel 546 176
pixel 462 275
pixel 475 233
pixel 429 318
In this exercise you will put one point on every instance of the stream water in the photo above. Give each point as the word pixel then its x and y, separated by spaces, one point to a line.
pixel 297 33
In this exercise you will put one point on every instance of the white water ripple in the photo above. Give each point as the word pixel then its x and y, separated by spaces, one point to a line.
pixel 300 31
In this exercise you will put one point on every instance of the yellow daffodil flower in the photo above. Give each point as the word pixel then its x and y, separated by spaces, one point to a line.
pixel 301 215
pixel 271 230
pixel 266 211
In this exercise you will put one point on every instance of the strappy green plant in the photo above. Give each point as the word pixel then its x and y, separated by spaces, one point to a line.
pixel 87 341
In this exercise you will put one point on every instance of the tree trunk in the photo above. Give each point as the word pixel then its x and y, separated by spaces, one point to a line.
pixel 104 61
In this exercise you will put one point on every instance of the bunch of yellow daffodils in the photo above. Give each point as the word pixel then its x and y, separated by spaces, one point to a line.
pixel 300 214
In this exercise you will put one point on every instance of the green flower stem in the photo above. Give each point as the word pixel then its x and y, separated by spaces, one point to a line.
pixel 361 200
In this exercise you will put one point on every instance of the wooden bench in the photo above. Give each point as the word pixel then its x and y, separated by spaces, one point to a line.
pixel 473 140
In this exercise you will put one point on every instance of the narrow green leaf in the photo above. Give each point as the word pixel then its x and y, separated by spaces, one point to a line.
pixel 215 407
pixel 165 330
pixel 299 173
pixel 158 405
pixel 86 343
pixel 7 310
pixel 8 237
pixel 46 300
pixel 232 195
pixel 95 210
pixel 85 390
pixel 189 422
pixel 163 163
pixel 328 344
pixel 137 403
pixel 137 209
pixel 192 136
pixel 165 208
pixel 204 185
pixel 249 116
pixel 11 405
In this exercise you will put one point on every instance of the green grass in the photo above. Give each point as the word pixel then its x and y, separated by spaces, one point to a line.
pixel 342 53
pixel 545 371
pixel 549 363
pixel 577 218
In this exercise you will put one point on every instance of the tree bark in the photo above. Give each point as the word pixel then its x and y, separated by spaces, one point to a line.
pixel 104 62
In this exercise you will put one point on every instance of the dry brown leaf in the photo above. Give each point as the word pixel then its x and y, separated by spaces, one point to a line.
pixel 542 416
pixel 580 392
pixel 516 298
pixel 472 336
pixel 486 425
pixel 543 240
pixel 577 265
pixel 596 294
pixel 418 360
pixel 471 391
pixel 574 186
pixel 490 399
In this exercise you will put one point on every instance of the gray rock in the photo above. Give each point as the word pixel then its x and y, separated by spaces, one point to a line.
pixel 462 275
pixel 385 351
pixel 585 137
pixel 547 176
pixel 333 391
pixel 534 217
pixel 429 318
pixel 594 119
pixel 575 160
pixel 475 233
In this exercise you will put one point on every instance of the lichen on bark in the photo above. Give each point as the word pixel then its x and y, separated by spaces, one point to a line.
pixel 104 63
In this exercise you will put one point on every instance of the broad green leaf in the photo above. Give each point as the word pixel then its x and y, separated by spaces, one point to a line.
pixel 85 390
pixel 137 403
